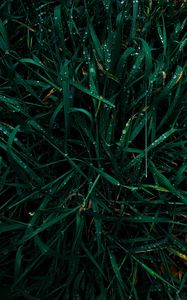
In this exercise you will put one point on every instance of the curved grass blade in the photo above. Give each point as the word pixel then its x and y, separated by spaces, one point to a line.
pixel 4 41
pixel 153 273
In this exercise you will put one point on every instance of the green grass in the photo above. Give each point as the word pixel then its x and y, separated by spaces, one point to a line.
pixel 93 148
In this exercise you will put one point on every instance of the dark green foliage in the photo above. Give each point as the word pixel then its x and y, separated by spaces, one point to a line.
pixel 93 147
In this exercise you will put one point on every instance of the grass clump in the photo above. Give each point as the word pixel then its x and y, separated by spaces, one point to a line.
pixel 93 149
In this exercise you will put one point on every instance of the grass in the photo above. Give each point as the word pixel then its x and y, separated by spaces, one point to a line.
pixel 93 147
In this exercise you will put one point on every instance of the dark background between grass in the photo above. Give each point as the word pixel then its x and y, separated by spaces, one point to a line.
pixel 93 148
